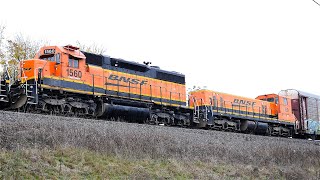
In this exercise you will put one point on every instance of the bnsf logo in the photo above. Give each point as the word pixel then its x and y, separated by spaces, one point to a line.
pixel 244 102
pixel 127 80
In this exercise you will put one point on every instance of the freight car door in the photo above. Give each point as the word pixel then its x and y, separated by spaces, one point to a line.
pixel 303 111
pixel 296 110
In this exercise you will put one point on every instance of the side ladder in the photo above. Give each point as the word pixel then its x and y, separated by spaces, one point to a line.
pixel 32 93
pixel 31 89
pixel 4 90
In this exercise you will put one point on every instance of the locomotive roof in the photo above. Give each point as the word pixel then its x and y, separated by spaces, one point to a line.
pixel 68 49
pixel 218 92
pixel 134 63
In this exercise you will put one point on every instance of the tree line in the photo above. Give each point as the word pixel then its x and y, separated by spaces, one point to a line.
pixel 13 50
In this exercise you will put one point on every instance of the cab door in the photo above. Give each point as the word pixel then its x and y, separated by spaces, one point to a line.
pixel 57 66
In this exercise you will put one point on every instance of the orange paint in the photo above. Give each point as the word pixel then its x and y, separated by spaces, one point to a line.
pixel 69 64
pixel 249 106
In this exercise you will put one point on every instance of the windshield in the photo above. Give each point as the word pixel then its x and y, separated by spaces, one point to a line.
pixel 270 99
pixel 49 57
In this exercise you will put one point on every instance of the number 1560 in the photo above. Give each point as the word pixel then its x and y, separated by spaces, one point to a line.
pixel 74 73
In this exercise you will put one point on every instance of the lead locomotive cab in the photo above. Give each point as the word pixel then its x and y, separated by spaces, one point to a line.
pixel 65 62
pixel 50 77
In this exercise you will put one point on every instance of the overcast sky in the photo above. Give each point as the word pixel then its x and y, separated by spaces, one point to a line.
pixel 243 47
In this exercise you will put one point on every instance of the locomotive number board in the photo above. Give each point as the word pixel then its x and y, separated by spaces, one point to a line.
pixel 49 51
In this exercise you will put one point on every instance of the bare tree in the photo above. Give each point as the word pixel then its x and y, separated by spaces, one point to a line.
pixel 1 42
pixel 93 48
pixel 20 48
pixel 2 51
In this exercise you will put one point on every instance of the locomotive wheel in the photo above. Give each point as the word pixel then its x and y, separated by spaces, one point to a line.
pixel 56 110
pixel 30 108
pixel 167 121
pixel 224 127
pixel 147 121
pixel 66 109
pixel 269 131
pixel 154 119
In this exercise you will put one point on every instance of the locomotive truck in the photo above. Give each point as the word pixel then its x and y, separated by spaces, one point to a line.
pixel 62 80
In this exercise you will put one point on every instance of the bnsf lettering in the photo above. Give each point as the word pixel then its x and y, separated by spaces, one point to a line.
pixel 127 80
pixel 244 102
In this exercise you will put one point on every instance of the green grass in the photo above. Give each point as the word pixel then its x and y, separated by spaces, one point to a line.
pixel 74 163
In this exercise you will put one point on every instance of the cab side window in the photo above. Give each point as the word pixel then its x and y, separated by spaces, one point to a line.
pixel 48 57
pixel 73 62
pixel 70 62
pixel 76 63
pixel 58 58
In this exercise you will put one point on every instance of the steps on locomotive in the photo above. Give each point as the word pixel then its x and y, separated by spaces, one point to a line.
pixel 3 91
pixel 31 92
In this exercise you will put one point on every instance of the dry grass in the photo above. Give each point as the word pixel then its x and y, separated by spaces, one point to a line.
pixel 75 163
pixel 198 152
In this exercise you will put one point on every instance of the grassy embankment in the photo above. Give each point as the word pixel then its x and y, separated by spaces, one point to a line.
pixel 58 147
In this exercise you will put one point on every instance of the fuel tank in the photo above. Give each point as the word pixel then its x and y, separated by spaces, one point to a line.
pixel 252 126
pixel 129 113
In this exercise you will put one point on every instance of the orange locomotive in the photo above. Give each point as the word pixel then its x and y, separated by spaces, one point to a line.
pixel 266 114
pixel 64 80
